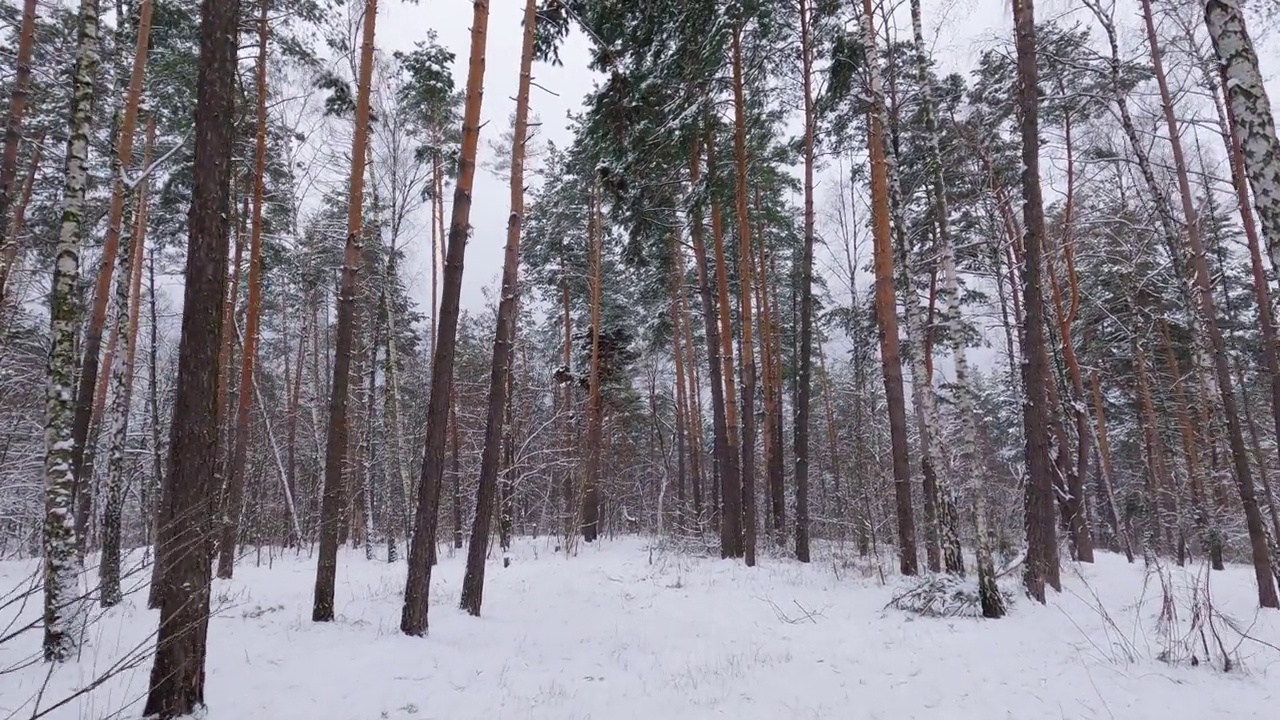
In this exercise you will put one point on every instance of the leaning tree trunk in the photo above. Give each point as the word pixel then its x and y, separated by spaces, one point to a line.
pixel 1042 546
pixel 184 522
pixel 886 305
pixel 129 302
pixel 413 619
pixel 62 563
pixel 353 258
pixel 499 375
pixel 9 250
pixel 1259 147
pixel 13 135
pixel 1251 115
pixel 233 496
pixel 85 405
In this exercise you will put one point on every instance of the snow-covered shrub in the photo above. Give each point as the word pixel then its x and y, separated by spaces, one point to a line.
pixel 937 595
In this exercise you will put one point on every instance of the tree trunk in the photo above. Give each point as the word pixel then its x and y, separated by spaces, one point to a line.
pixel 746 355
pixel 731 480
pixel 886 305
pixel 804 372
pixel 233 499
pixel 711 329
pixel 185 522
pixel 413 620
pixel 1042 546
pixel 1269 210
pixel 62 563
pixel 1250 112
pixel 129 301
pixel 9 251
pixel 353 257
pixel 500 373
pixel 590 512
pixel 85 405
pixel 13 137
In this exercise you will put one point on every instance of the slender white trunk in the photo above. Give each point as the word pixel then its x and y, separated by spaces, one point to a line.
pixel 63 601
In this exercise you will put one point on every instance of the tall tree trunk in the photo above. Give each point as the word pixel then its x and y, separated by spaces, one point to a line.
pixel 185 522
pixel 590 512
pixel 1251 116
pixel 233 500
pixel 682 404
pixel 1262 294
pixel 13 137
pixel 804 372
pixel 1073 501
pixel 1042 546
pixel 746 355
pixel 731 479
pixel 129 300
pixel 1269 210
pixel 85 405
pixel 711 328
pixel 62 563
pixel 413 620
pixel 500 372
pixel 352 260
pixel 886 305
pixel 151 511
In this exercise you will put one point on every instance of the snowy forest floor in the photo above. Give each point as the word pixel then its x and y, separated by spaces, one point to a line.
pixel 627 630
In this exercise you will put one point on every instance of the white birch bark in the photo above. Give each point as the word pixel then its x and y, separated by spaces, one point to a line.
pixel 63 599
pixel 1254 124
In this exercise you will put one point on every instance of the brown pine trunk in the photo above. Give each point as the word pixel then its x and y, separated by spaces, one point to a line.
pixel 693 397
pixel 233 498
pixel 730 477
pixel 504 336
pixel 184 521
pixel 1074 501
pixel 772 395
pixel 86 408
pixel 413 620
pixel 13 137
pixel 1261 553
pixel 336 448
pixel 1042 546
pixel 886 308
pixel 804 380
pixel 9 251
pixel 724 459
pixel 1157 471
pixel 746 355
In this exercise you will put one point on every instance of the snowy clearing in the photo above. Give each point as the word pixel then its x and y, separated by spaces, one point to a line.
pixel 623 631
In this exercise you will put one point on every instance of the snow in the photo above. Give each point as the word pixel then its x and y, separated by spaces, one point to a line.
pixel 626 630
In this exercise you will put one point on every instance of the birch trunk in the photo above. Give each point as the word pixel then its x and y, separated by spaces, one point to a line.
pixel 62 563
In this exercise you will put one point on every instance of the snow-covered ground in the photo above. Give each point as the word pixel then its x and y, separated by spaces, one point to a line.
pixel 625 630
